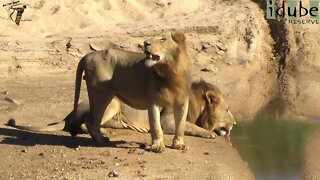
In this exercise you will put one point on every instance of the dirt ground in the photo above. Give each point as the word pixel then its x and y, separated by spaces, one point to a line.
pixel 230 44
pixel 30 155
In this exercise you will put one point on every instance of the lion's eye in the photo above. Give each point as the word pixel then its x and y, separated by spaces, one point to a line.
pixel 163 39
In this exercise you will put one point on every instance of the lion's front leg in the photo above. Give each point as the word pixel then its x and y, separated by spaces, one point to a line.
pixel 180 116
pixel 155 129
pixel 194 130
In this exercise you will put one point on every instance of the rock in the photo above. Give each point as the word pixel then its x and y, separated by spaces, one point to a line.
pixel 68 45
pixel 209 68
pixel 221 46
pixel 5 92
pixel 55 9
pixel 113 174
pixel 121 159
pixel 205 45
pixel 160 3
pixel 220 52
pixel 131 151
pixel 24 150
pixel 11 100
pixel 94 47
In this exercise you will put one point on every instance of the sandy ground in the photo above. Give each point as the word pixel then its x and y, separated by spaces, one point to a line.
pixel 229 42
pixel 58 156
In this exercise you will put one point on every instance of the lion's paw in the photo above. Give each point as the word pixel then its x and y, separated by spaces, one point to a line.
pixel 213 135
pixel 103 141
pixel 178 144
pixel 157 147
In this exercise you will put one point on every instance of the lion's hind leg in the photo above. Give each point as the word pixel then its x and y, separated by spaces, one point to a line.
pixel 76 119
pixel 100 97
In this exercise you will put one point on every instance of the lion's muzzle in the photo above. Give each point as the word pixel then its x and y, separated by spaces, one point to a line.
pixel 148 52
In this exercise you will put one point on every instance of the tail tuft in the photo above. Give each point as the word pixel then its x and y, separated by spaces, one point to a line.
pixel 11 122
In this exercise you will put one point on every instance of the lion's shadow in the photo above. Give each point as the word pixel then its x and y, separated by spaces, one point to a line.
pixel 26 138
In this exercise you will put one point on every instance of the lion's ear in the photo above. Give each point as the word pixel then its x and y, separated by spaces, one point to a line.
pixel 212 98
pixel 178 37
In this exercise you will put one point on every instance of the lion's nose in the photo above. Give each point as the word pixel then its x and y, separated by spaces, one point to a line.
pixel 147 43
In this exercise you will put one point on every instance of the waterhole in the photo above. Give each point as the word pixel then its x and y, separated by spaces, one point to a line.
pixel 273 148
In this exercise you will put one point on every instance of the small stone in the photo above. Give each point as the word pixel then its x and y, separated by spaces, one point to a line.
pixel 131 151
pixel 121 159
pixel 126 164
pixel 41 154
pixel 102 162
pixel 113 174
pixel 205 45
pixel 5 92
pixel 24 150
pixel 141 174
pixel 209 68
pixel 206 153
pixel 220 52
pixel 142 166
pixel 221 47
pixel 94 47
pixel 11 100
pixel 141 153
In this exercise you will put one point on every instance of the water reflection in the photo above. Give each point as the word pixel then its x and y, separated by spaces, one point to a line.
pixel 272 147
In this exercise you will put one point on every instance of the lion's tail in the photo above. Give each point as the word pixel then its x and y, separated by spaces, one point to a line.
pixel 79 72
pixel 49 128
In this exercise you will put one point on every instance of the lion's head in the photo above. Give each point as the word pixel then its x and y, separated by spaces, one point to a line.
pixel 215 113
pixel 164 48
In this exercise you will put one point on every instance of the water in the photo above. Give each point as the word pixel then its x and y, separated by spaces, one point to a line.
pixel 273 148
